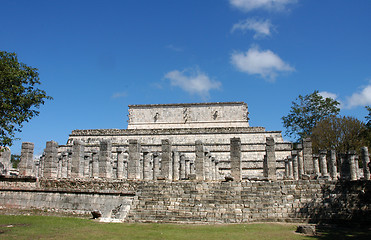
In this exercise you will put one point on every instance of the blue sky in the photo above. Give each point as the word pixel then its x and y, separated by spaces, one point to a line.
pixel 97 57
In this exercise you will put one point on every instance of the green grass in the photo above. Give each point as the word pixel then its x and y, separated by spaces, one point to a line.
pixel 50 227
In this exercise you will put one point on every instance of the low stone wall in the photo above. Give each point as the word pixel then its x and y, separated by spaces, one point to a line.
pixel 80 197
pixel 197 202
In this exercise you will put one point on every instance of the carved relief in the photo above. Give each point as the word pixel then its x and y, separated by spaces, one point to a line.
pixel 185 114
pixel 215 115
pixel 155 118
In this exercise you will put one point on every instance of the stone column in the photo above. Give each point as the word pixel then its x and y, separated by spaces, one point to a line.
pixel 156 166
pixel 291 174
pixel 134 158
pixel 295 173
pixel 126 160
pixel 77 159
pixel 212 169
pixel 316 164
pixel 59 165
pixel 300 165
pixel 26 163
pixel 5 159
pixel 269 164
pixel 332 164
pixel 95 164
pixel 105 152
pixel 345 167
pixel 207 164
pixel 216 169
pixel 187 168
pixel 69 163
pixel 146 165
pixel 120 163
pixel 141 168
pixel 176 165
pixel 287 169
pixel 50 164
pixel 356 163
pixel 42 164
pixel 307 156
pixel 192 168
pixel 199 162
pixel 323 163
pixel 351 160
pixel 365 160
pixel 64 164
pixel 166 160
pixel 182 167
pixel 87 160
pixel 235 158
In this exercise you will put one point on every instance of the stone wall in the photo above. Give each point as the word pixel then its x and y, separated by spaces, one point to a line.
pixel 196 115
pixel 196 201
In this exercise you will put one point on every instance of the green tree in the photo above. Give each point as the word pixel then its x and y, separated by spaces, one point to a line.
pixel 368 117
pixel 19 96
pixel 367 134
pixel 15 159
pixel 339 133
pixel 306 112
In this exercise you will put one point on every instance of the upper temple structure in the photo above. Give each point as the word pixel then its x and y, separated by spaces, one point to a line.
pixel 212 125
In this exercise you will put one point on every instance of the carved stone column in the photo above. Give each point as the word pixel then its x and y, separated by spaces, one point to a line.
pixel 294 155
pixel 365 160
pixel 26 163
pixel 147 165
pixel 199 162
pixel 156 165
pixel 166 160
pixel 120 163
pixel 316 164
pixel 134 158
pixel 176 165
pixel 307 156
pixel 332 164
pixel 351 160
pixel 270 159
pixel 323 163
pixel 300 164
pixel 105 152
pixel 182 167
pixel 77 159
pixel 50 164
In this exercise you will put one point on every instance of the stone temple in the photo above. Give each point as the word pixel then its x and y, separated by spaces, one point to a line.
pixel 194 163
pixel 183 128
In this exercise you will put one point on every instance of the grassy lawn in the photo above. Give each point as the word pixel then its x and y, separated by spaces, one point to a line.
pixel 49 227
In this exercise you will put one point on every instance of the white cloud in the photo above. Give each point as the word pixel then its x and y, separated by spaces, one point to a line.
pixel 334 96
pixel 325 94
pixel 271 5
pixel 262 28
pixel 192 81
pixel 264 63
pixel 174 48
pixel 361 98
pixel 119 95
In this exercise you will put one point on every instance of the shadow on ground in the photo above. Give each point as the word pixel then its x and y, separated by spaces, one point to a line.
pixel 339 232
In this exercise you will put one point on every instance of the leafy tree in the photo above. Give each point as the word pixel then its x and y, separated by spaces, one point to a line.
pixel 306 112
pixel 15 159
pixel 19 96
pixel 367 134
pixel 368 117
pixel 339 133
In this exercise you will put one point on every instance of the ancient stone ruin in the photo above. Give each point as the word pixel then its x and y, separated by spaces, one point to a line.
pixel 188 163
